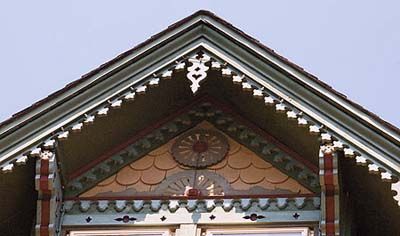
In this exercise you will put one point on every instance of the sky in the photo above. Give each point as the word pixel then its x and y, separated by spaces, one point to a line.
pixel 354 46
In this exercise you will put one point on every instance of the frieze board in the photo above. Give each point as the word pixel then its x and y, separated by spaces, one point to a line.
pixel 211 211
pixel 200 205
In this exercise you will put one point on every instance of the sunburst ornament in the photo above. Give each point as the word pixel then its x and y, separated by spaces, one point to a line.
pixel 200 148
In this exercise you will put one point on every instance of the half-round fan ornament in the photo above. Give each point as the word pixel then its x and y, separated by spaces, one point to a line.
pixel 200 148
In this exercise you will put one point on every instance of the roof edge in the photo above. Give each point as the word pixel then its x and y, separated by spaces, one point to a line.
pixel 15 117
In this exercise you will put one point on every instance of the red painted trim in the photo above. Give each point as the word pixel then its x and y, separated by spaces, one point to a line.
pixel 43 182
pixel 329 195
pixel 290 196
pixel 45 207
pixel 44 166
pixel 44 231
pixel 45 197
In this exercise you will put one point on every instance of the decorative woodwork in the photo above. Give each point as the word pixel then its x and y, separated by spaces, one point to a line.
pixel 197 65
pixel 200 148
pixel 241 172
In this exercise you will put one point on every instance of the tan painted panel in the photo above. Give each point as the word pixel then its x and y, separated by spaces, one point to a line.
pixel 240 185
pixel 162 150
pixel 260 163
pixel 107 181
pixel 140 187
pixel 219 165
pixel 175 170
pixel 143 163
pixel 128 176
pixel 275 176
pixel 153 176
pixel 165 161
pixel 242 169
pixel 234 147
pixel 230 174
pixel 293 185
pixel 239 160
pixel 114 187
pixel 252 175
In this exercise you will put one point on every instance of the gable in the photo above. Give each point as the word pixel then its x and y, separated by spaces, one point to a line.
pixel 258 141
pixel 241 172
pixel 202 70
pixel 371 141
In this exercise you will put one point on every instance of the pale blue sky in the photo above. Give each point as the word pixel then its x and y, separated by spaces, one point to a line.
pixel 352 45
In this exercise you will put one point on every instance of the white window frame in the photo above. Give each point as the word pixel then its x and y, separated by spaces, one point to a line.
pixel 120 232
pixel 303 230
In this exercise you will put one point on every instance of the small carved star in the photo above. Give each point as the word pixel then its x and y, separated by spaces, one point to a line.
pixel 22 160
pixel 360 160
pixel 116 104
pixel 302 122
pixel 269 101
pixel 35 152
pixel 325 137
pixel 77 127
pixel 215 65
pixel 154 82
pixel 258 93
pixel 291 115
pixel 226 72
pixel 180 66
pixel 49 143
pixel 237 79
pixel 280 107
pixel 141 89
pixel 88 219
pixel 348 152
pixel 167 74
pixel 314 129
pixel 337 145
pixel 130 96
pixel 246 86
pixel 103 111
pixel 63 135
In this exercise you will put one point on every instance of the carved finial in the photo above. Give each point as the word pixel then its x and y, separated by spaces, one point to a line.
pixel 197 71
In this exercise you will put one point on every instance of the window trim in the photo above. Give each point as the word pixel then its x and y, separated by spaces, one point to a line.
pixel 305 231
pixel 119 232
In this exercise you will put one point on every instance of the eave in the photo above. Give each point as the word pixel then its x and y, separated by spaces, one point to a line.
pixel 374 140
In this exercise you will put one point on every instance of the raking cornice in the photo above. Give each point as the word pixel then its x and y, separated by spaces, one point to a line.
pixel 281 84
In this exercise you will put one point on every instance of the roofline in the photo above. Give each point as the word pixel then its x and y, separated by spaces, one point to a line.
pixel 19 121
